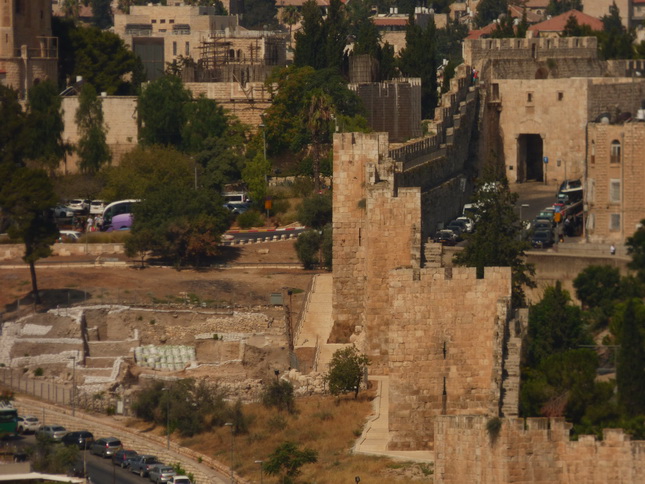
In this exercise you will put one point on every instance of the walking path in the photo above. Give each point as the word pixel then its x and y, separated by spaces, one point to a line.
pixel 376 435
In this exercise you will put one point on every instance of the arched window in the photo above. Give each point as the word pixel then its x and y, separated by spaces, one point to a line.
pixel 615 151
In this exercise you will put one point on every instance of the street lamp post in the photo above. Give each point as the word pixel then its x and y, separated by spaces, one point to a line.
pixel 165 389
pixel 229 424
pixel 260 462
pixel 73 358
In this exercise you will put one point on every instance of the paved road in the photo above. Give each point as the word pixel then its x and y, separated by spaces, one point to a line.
pixel 101 471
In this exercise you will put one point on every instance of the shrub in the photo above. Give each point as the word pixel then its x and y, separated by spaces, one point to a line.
pixel 307 247
pixel 493 427
pixel 250 218
pixel 39 371
pixel 279 394
pixel 346 370
pixel 239 420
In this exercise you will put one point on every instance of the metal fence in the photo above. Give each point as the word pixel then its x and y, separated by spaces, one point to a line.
pixel 62 394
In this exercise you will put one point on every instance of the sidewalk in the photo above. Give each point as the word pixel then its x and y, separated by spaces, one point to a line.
pixel 376 435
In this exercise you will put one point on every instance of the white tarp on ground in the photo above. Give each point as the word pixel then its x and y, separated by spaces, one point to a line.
pixel 166 357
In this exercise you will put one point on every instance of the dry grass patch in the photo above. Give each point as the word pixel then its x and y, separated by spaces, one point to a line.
pixel 322 423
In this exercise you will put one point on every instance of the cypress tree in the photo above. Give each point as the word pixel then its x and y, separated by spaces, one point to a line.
pixel 630 373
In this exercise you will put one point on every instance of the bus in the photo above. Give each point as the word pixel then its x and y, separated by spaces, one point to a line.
pixel 116 208
pixel 8 419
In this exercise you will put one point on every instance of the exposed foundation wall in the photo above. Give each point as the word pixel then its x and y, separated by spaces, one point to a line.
pixel 532 451
pixel 445 341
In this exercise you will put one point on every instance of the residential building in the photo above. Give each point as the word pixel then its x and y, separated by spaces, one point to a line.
pixel 554 27
pixel 614 195
pixel 28 50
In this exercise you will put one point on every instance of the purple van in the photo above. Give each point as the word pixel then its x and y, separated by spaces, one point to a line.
pixel 120 222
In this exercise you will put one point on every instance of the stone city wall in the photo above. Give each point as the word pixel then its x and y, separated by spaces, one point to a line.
pixel 16 251
pixel 446 330
pixel 614 96
pixel 392 106
pixel 532 451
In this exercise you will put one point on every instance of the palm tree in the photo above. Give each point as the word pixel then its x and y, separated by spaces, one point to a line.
pixel 320 115
pixel 290 16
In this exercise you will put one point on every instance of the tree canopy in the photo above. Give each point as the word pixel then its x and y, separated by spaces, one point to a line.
pixel 636 249
pixel 100 57
pixel 92 147
pixel 259 14
pixel 490 10
pixel 346 370
pixel 557 7
pixel 286 461
pixel 497 241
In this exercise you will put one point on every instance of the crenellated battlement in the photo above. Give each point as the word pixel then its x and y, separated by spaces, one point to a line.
pixel 533 450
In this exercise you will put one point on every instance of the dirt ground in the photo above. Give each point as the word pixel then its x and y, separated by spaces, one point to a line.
pixel 235 286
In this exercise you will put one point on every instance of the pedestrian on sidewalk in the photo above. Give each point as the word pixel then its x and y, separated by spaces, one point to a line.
pixel 612 249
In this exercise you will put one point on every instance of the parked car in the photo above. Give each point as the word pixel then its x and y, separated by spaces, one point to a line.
pixel 119 222
pixel 469 223
pixel 79 204
pixel 69 235
pixel 445 237
pixel 106 447
pixel 180 480
pixel 97 207
pixel 81 439
pixel 143 463
pixel 161 473
pixel 237 208
pixel 541 224
pixel 458 227
pixel 542 239
pixel 123 457
pixel 62 211
pixel 51 432
pixel 28 423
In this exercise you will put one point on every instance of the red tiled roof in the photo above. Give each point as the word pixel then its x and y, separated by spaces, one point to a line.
pixel 518 12
pixel 537 3
pixel 384 21
pixel 483 32
pixel 557 24
pixel 638 2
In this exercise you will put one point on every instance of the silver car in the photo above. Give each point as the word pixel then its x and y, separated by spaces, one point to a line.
pixel 52 432
pixel 106 447
pixel 161 473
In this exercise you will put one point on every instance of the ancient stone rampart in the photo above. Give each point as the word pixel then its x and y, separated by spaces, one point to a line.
pixel 446 331
pixel 531 451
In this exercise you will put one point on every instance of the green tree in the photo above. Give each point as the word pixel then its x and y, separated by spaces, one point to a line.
pixel 92 147
pixel 310 37
pixel 598 286
pixel 26 198
pixel 346 370
pixel 45 125
pixel 497 240
pixel 308 248
pixel 315 211
pixel 615 41
pixel 99 56
pixel 636 249
pixel 419 59
pixel 630 371
pixel 259 15
pixel 555 325
pixel 162 113
pixel 13 141
pixel 279 394
pixel 335 32
pixel 70 8
pixel 286 461
pixel 286 120
pixel 573 29
pixel 178 223
pixel 490 10
pixel 290 16
pixel 102 13
pixel 255 175
pixel 557 7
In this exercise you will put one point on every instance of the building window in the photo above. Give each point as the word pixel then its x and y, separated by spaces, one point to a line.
pixel 174 48
pixel 614 222
pixel 154 21
pixel 162 21
pixel 615 152
pixel 593 152
pixel 187 48
pixel 171 21
pixel 529 97
pixel 614 191
pixel 560 96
